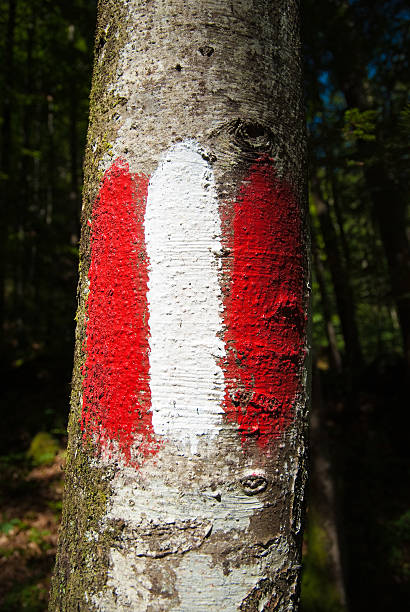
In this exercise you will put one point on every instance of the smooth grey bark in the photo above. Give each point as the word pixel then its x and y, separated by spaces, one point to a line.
pixel 227 75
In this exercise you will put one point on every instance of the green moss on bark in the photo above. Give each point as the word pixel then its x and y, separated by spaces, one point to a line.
pixel 82 562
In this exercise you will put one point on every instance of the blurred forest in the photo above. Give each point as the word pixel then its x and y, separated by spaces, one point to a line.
pixel 357 541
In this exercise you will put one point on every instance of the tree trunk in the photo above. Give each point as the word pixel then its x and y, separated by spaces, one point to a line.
pixel 388 200
pixel 334 354
pixel 6 153
pixel 339 217
pixel 186 460
pixel 391 219
pixel 343 292
pixel 324 583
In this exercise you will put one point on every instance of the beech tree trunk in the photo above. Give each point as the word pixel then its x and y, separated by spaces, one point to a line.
pixel 186 460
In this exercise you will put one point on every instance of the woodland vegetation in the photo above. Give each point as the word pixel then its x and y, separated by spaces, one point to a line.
pixel 357 542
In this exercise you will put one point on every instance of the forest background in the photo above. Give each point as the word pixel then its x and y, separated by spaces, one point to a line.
pixel 357 542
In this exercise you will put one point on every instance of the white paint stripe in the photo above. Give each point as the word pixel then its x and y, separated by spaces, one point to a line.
pixel 182 234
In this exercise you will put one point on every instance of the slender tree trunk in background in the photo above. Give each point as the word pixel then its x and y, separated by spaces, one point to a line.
pixel 343 292
pixel 8 89
pixel 73 114
pixel 186 460
pixel 335 357
pixel 339 217
pixel 6 153
pixel 24 264
pixel 389 204
pixel 326 553
pixel 390 208
pixel 75 187
pixel 51 162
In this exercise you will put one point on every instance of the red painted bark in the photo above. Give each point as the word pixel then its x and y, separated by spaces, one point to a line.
pixel 264 314
pixel 264 307
pixel 116 392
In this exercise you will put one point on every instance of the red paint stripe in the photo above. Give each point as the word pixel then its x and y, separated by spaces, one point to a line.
pixel 264 308
pixel 263 312
pixel 116 393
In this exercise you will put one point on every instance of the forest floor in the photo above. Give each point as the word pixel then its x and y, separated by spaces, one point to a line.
pixel 371 471
pixel 30 508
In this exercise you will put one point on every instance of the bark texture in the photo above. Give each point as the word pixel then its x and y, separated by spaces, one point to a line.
pixel 208 516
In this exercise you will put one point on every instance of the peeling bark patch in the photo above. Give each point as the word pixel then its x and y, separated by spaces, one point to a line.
pixel 159 540
pixel 204 585
pixel 116 392
pixel 264 317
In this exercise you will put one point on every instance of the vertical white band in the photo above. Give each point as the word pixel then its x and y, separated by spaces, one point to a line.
pixel 182 234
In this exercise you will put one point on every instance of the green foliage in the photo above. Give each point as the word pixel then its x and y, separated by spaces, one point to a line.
pixel 30 597
pixel 358 129
pixel 319 593
pixel 56 507
pixel 38 536
pixel 404 122
pixel 12 524
pixel 43 449
pixel 359 125
pixel 399 539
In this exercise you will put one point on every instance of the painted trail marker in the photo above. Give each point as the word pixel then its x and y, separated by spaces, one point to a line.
pixel 170 353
